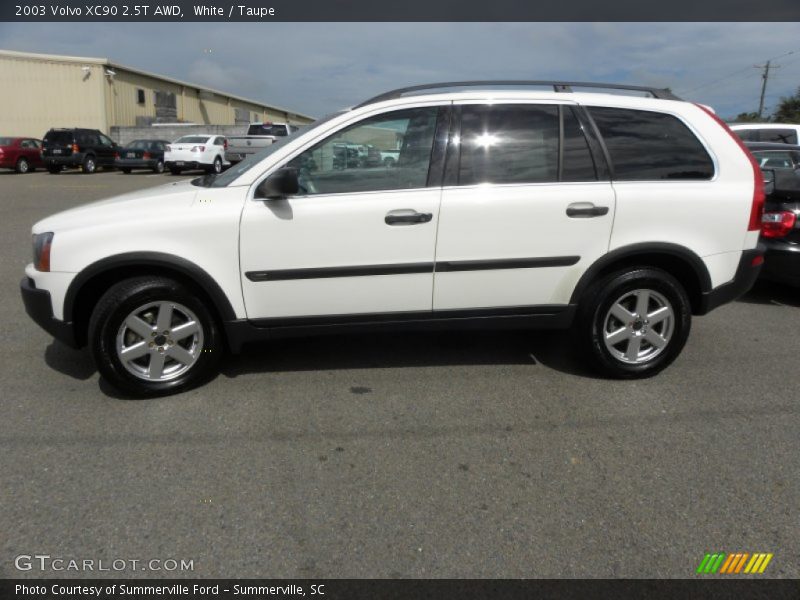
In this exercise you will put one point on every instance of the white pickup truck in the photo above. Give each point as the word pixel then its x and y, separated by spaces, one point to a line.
pixel 258 136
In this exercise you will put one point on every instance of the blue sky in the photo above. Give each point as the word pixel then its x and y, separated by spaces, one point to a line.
pixel 317 68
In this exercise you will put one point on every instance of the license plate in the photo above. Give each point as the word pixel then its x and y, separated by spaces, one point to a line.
pixel 57 151
pixel 131 155
pixel 179 163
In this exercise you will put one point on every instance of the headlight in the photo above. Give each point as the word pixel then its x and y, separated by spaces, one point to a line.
pixel 41 250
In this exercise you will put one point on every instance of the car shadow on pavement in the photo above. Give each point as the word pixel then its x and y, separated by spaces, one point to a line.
pixel 768 292
pixel 408 349
pixel 77 364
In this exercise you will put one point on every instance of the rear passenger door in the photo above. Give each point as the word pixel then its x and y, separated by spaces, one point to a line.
pixel 527 206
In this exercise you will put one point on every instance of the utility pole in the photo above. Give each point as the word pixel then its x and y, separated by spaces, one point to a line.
pixel 764 78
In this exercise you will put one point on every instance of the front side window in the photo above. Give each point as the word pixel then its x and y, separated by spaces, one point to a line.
pixel 647 146
pixel 352 159
pixel 105 141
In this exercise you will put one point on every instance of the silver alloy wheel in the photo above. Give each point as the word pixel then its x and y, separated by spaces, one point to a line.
pixel 22 165
pixel 217 165
pixel 159 341
pixel 638 326
pixel 90 166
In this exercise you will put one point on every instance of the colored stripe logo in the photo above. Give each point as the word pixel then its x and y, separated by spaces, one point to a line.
pixel 734 563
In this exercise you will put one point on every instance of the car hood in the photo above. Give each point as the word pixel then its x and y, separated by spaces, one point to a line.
pixel 160 200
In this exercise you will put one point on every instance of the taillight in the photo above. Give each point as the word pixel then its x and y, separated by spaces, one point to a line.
pixel 146 156
pixel 76 148
pixel 777 224
pixel 198 149
pixel 116 154
pixel 225 144
pixel 757 207
pixel 41 250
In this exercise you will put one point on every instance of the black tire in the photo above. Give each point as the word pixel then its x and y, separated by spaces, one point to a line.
pixel 89 165
pixel 127 296
pixel 54 169
pixel 175 170
pixel 594 316
pixel 216 167
pixel 125 170
pixel 159 168
pixel 22 166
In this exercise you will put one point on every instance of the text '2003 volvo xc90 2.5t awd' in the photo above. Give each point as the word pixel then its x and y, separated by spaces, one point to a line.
pixel 620 216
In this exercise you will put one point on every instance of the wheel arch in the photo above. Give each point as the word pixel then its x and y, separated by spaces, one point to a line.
pixel 682 263
pixel 93 281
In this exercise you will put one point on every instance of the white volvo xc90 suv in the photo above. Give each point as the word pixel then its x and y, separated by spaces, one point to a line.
pixel 620 216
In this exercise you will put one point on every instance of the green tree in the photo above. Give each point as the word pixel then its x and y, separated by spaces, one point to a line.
pixel 788 110
pixel 749 117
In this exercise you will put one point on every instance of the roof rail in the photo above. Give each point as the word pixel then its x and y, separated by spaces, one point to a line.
pixel 558 86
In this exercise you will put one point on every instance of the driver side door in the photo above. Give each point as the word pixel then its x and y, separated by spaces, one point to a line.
pixel 359 238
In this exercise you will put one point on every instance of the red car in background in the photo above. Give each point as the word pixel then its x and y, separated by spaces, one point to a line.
pixel 20 154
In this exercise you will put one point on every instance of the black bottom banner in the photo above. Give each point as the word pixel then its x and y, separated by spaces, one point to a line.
pixel 394 589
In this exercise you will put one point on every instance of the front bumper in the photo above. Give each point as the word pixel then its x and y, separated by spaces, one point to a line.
pixel 782 262
pixel 746 275
pixel 39 307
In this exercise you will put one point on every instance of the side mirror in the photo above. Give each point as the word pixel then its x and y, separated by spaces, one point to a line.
pixel 280 184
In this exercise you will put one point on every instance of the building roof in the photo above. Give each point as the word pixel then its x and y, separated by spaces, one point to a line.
pixel 115 65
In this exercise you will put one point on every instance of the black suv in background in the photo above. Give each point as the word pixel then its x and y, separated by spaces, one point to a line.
pixel 781 221
pixel 84 148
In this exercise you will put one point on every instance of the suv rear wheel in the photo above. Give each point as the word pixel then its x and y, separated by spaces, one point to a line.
pixel 152 336
pixel 89 164
pixel 634 323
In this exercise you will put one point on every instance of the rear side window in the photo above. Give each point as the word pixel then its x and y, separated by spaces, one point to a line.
pixel 508 144
pixel 646 146
pixel 520 144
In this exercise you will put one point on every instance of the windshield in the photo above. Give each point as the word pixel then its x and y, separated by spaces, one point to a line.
pixel 775 159
pixel 138 145
pixel 229 176
pixel 192 139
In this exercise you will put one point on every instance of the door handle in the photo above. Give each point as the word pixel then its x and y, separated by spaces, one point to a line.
pixel 585 210
pixel 407 216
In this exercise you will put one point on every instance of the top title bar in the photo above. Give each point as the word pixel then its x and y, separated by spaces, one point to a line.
pixel 405 10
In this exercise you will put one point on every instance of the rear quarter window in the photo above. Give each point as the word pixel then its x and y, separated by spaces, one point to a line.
pixel 647 146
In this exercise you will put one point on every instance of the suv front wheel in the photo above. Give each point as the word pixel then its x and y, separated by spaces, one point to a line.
pixel 152 336
pixel 634 323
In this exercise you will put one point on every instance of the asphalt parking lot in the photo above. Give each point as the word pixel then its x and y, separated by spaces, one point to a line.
pixel 435 455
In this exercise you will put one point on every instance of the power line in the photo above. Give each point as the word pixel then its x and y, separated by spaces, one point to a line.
pixel 724 77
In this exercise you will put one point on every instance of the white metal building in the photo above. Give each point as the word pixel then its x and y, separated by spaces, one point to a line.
pixel 42 91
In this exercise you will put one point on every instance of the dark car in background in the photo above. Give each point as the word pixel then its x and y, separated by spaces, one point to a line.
pixel 20 154
pixel 88 149
pixel 142 154
pixel 780 230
